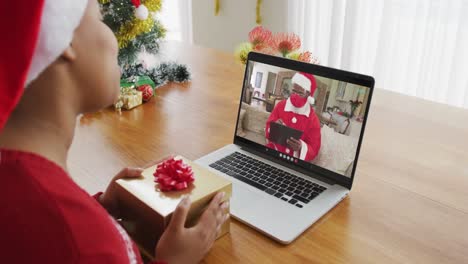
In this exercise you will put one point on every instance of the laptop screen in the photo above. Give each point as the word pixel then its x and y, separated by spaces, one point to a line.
pixel 305 117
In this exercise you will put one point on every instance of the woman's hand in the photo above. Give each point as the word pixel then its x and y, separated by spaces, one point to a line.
pixel 109 199
pixel 189 245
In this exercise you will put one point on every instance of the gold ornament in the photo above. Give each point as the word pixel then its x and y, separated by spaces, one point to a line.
pixel 217 6
pixel 258 19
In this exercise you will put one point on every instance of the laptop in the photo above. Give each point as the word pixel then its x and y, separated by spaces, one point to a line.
pixel 282 190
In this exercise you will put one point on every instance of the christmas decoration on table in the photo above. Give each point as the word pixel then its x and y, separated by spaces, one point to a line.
pixel 281 44
pixel 173 175
pixel 147 92
pixel 135 91
pixel 146 209
pixel 258 6
pixel 129 98
pixel 137 29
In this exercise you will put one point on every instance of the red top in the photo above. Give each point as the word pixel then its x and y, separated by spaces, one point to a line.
pixel 306 122
pixel 45 217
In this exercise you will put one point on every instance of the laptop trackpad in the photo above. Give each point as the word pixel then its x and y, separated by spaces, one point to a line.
pixel 244 201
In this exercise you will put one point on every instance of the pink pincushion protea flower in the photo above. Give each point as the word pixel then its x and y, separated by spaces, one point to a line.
pixel 260 37
pixel 305 56
pixel 281 44
pixel 308 57
pixel 285 43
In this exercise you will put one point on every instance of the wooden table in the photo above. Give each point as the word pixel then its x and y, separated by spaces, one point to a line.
pixel 409 203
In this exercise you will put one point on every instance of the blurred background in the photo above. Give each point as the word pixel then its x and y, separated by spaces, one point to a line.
pixel 416 47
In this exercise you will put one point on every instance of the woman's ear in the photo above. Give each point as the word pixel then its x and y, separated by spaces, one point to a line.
pixel 69 54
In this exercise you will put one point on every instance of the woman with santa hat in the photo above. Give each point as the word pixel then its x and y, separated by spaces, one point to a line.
pixel 58 60
pixel 296 112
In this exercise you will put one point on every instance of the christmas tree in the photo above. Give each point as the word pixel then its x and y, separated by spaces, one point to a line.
pixel 137 29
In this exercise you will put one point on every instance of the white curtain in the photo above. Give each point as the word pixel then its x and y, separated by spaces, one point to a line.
pixel 176 16
pixel 415 47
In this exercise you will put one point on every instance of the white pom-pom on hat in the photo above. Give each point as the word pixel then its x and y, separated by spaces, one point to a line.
pixel 141 12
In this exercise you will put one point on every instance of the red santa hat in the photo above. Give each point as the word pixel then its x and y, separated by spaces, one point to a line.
pixel 37 33
pixel 306 81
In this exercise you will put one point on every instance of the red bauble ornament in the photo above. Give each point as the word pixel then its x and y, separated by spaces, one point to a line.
pixel 147 91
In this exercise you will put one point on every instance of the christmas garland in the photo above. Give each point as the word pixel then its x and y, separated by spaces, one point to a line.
pixel 161 75
pixel 132 29
pixel 134 25
pixel 141 24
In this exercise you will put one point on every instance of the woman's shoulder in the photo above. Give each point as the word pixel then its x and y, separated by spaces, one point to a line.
pixel 30 219
pixel 44 213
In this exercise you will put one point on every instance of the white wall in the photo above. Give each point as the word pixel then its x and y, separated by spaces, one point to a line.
pixel 234 21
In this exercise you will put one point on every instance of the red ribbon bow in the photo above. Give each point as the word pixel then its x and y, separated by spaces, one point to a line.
pixel 173 175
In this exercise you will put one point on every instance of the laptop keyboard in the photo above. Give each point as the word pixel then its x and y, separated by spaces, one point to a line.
pixel 276 182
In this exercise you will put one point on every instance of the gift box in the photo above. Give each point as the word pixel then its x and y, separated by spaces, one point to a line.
pixel 146 210
pixel 129 98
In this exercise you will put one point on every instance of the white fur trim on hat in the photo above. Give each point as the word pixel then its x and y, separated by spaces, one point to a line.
pixel 59 20
pixel 302 81
pixel 142 12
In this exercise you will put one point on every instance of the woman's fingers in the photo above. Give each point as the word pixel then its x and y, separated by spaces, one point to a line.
pixel 180 214
pixel 210 218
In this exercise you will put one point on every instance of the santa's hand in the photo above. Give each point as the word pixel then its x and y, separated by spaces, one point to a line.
pixel 279 121
pixel 294 144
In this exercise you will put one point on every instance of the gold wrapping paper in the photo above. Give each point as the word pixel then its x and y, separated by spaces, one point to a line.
pixel 147 211
pixel 129 98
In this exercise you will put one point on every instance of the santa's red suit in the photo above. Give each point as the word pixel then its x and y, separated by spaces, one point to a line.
pixel 296 112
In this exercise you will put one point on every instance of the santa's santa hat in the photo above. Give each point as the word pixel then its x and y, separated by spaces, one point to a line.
pixel 307 82
pixel 36 33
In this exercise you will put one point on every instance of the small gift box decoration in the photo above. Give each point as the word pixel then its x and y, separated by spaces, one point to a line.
pixel 129 98
pixel 147 203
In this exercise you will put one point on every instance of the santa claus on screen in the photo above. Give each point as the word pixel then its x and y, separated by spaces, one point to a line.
pixel 296 112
